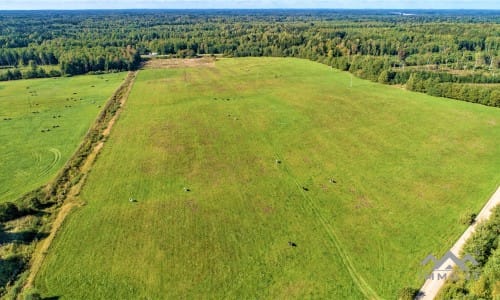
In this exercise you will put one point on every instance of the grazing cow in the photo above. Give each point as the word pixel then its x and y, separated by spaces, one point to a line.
pixel 292 244
pixel 305 189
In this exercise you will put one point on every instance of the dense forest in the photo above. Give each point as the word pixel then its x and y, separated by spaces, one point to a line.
pixel 452 54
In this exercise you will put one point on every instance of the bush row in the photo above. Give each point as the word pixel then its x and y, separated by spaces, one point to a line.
pixel 484 280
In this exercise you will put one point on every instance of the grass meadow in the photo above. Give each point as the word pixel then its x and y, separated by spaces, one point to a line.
pixel 42 121
pixel 366 180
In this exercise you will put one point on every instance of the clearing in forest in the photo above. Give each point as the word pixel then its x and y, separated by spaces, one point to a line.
pixel 272 178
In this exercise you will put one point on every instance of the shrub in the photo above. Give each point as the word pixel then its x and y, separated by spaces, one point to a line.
pixel 452 292
pixel 32 295
pixel 384 77
pixel 8 211
pixel 32 202
pixel 10 268
pixel 480 288
pixel 483 242
pixel 468 218
pixel 55 73
pixel 407 293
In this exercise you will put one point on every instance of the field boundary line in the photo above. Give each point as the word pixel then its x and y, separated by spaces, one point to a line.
pixel 431 288
pixel 70 201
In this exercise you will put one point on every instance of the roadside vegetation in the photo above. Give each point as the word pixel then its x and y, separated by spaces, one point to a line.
pixel 483 279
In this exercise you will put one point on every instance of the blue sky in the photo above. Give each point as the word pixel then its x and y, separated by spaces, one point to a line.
pixel 103 4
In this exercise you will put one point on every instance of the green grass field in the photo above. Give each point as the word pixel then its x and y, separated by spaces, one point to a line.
pixel 406 167
pixel 65 106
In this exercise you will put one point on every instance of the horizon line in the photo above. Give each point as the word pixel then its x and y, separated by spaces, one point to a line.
pixel 246 8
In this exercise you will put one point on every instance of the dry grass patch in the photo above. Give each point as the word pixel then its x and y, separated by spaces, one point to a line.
pixel 171 63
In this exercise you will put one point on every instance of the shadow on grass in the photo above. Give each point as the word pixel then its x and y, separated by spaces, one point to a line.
pixel 21 237
pixel 10 268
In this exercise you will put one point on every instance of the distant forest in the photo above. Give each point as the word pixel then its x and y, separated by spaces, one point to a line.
pixel 452 54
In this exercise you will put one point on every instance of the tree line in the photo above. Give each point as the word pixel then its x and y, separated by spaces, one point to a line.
pixel 452 54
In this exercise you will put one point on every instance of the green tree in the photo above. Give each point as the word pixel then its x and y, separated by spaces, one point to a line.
pixel 384 77
pixel 411 83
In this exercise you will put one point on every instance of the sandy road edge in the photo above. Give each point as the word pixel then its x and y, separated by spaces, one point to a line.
pixel 71 201
pixel 431 287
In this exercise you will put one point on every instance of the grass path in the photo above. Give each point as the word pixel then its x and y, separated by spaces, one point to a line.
pixel 71 201
pixel 44 245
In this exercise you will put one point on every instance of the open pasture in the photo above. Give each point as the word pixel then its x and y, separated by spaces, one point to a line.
pixel 42 121
pixel 263 178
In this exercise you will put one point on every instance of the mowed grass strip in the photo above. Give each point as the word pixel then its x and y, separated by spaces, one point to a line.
pixel 42 121
pixel 405 166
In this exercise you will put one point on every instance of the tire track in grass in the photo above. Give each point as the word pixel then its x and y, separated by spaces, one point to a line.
pixel 56 157
pixel 37 157
pixel 309 204
pixel 37 160
pixel 362 285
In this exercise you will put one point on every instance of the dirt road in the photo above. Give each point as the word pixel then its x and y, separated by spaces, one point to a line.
pixel 432 286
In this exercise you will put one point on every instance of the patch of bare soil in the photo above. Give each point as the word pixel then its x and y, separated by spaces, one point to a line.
pixel 170 63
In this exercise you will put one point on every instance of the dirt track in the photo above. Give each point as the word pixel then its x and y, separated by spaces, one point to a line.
pixel 71 200
pixel 169 63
